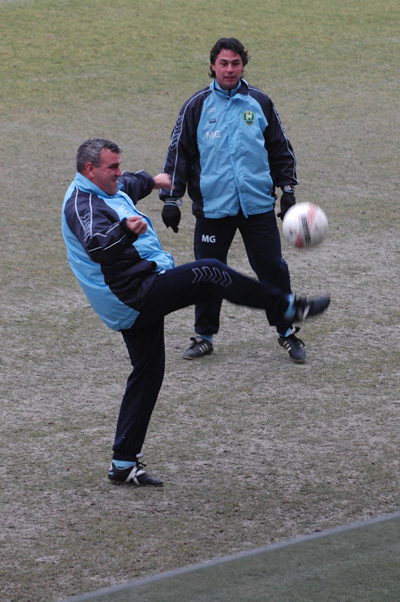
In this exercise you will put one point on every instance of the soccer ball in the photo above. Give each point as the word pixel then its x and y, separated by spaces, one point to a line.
pixel 305 225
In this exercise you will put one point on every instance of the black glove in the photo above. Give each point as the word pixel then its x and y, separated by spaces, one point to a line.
pixel 171 214
pixel 287 200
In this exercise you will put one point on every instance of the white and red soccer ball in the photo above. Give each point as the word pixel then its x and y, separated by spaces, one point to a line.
pixel 305 225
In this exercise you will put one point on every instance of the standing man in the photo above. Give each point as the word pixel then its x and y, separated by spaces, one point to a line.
pixel 132 284
pixel 229 149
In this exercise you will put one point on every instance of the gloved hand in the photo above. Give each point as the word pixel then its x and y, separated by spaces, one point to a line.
pixel 287 200
pixel 171 214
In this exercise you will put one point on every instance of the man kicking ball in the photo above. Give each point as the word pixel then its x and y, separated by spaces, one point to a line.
pixel 132 283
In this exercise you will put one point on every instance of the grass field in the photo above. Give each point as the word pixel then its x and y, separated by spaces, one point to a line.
pixel 252 448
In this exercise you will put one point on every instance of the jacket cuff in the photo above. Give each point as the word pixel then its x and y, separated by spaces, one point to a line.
pixel 131 235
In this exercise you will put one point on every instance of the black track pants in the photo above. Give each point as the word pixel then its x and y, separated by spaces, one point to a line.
pixel 172 290
pixel 261 238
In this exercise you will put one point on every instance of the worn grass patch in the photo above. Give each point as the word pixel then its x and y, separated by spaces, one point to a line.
pixel 252 448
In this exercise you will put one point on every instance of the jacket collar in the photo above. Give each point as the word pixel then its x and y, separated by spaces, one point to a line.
pixel 242 88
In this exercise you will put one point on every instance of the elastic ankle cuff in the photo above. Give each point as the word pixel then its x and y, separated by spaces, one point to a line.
pixel 287 333
pixel 205 337
pixel 123 464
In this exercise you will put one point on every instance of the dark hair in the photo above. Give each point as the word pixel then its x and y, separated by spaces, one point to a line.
pixel 228 44
pixel 89 152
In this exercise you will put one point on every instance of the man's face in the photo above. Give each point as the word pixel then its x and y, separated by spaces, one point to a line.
pixel 106 175
pixel 228 69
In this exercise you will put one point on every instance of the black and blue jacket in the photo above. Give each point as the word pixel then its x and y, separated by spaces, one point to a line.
pixel 230 150
pixel 113 265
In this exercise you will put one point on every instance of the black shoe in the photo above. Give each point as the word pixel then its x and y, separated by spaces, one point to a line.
pixel 294 346
pixel 306 307
pixel 134 475
pixel 198 348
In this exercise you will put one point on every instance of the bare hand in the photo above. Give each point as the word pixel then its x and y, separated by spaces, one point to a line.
pixel 162 180
pixel 136 224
